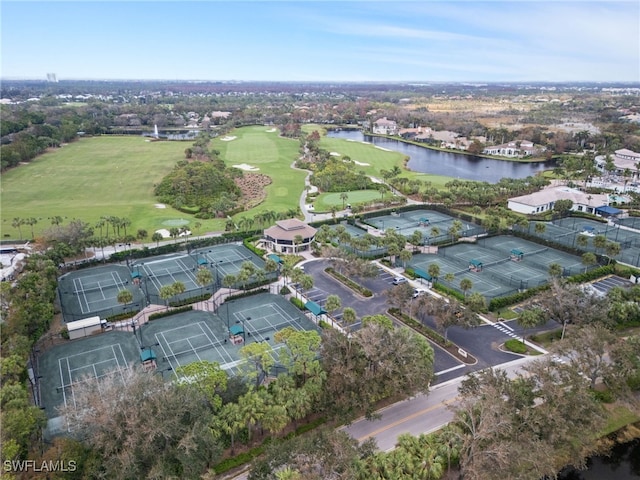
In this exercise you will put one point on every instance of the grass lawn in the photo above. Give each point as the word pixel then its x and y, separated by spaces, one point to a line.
pixel 258 147
pixel 92 177
pixel 325 201
pixel 116 175
pixel 618 416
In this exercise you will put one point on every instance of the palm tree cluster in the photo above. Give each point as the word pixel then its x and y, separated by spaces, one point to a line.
pixel 260 220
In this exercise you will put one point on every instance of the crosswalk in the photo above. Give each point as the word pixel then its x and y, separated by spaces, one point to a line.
pixel 506 329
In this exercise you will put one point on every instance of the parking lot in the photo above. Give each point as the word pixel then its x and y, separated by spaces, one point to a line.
pixel 482 342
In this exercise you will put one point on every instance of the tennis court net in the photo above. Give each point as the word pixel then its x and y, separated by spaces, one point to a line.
pixel 100 288
pixel 497 262
pixel 191 351
pixel 272 328
pixel 536 252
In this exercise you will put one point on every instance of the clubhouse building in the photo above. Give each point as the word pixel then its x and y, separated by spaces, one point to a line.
pixel 289 236
pixel 544 200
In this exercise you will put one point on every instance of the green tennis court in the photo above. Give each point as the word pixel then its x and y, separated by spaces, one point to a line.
pixel 494 269
pixel 196 335
pixel 94 292
pixel 62 368
pixel 567 231
pixel 433 225
pixel 155 272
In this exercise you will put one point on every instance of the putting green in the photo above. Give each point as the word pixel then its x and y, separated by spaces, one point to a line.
pixel 176 222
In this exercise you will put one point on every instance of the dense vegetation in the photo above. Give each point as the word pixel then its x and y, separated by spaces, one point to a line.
pixel 200 187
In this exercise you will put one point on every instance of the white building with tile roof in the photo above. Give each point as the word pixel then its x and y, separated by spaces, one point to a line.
pixel 544 200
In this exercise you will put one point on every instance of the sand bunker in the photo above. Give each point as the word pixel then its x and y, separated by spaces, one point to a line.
pixel 334 154
pixel 271 130
pixel 228 138
pixel 385 149
pixel 362 164
pixel 244 166
pixel 160 205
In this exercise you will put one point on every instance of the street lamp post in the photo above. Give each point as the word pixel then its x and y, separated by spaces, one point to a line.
pixel 216 282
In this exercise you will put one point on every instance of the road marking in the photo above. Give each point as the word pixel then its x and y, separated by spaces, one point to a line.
pixel 450 369
pixel 405 419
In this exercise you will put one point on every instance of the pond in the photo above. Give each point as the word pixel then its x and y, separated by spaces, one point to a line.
pixel 623 463
pixel 457 165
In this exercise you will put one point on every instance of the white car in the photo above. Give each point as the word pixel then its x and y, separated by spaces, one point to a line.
pixel 399 280
pixel 418 292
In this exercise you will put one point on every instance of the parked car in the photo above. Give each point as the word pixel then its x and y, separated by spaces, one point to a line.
pixel 399 280
pixel 417 292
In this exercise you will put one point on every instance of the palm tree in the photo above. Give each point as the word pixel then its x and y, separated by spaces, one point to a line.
pixel 178 288
pixel 588 259
pixel 17 223
pixel 612 249
pixel 156 237
pixel 454 230
pixel 125 297
pixel 31 222
pixel 306 282
pixel 582 241
pixel 405 256
pixel 434 232
pixel 349 316
pixel 344 196
pixel 382 189
pixel 204 277
pixel 434 271
pixel 100 224
pixel 540 228
pixel 141 234
pixel 252 409
pixel 231 421
pixel 332 303
pixel 465 285
pixel 124 223
pixel 297 240
pixel 165 293
pixel 333 210
pixel 555 270
pixel 529 318
pixel 174 232
pixel 599 242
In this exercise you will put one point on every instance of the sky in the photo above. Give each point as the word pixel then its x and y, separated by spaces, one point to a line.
pixel 323 41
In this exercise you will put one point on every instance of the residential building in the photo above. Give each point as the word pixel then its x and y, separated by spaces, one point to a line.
pixel 516 149
pixel 383 126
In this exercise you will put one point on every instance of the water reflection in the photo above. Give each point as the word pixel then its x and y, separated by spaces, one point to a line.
pixel 623 463
pixel 467 167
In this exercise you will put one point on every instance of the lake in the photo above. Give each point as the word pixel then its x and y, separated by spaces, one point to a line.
pixel 457 165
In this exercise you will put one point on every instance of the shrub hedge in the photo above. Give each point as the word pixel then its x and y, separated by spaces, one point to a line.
pixel 349 283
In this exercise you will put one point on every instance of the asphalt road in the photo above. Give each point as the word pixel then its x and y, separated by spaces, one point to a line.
pixel 420 414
